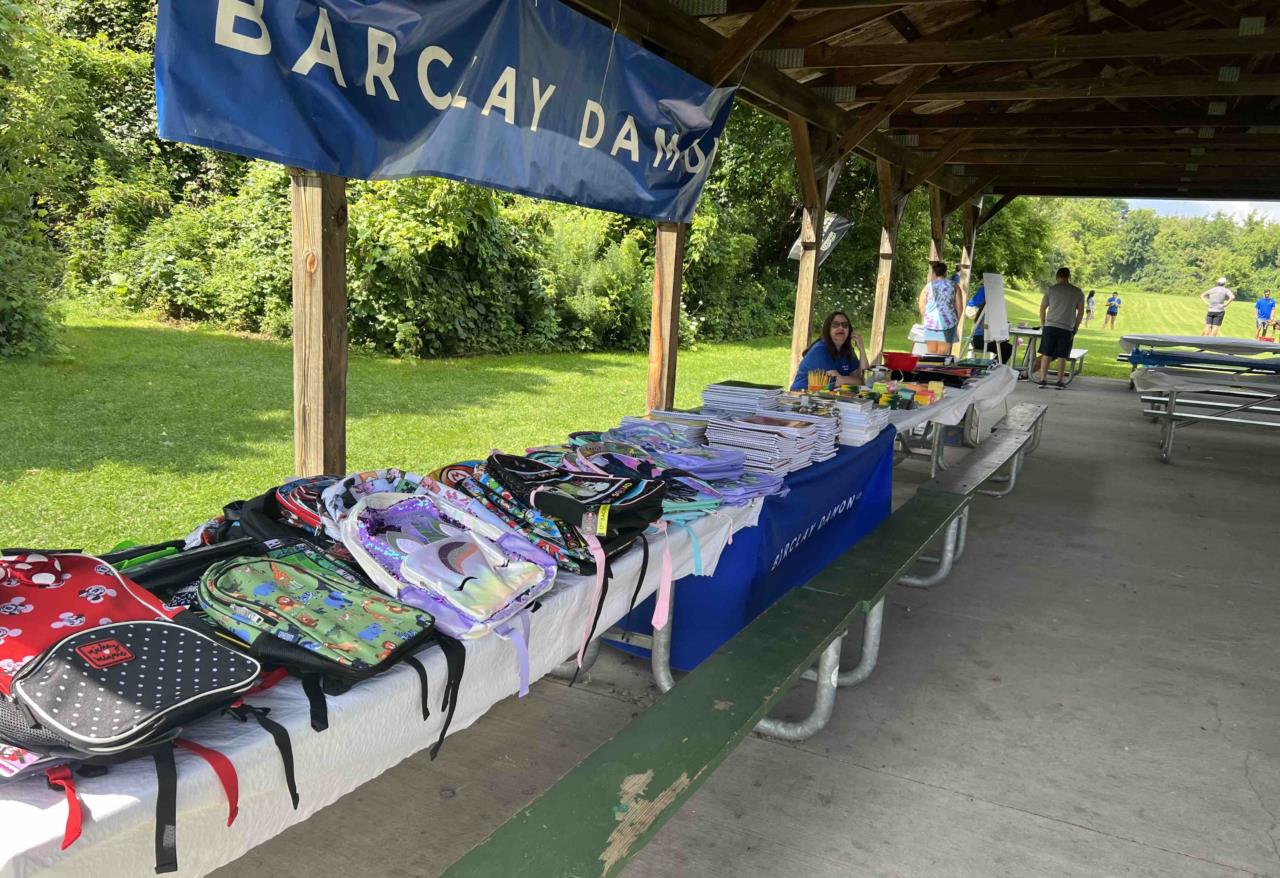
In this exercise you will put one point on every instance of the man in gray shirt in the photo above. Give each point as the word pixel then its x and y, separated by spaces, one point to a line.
pixel 1061 311
pixel 1217 299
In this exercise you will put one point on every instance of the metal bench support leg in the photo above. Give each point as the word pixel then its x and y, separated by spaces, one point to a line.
pixel 1015 466
pixel 824 701
pixel 1168 428
pixel 871 627
pixel 660 653
pixel 949 544
pixel 567 670
pixel 936 452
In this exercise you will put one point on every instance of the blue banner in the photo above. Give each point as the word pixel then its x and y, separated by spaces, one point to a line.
pixel 528 96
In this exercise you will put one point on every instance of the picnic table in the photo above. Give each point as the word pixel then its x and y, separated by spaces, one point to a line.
pixel 971 406
pixel 372 727
pixel 1181 397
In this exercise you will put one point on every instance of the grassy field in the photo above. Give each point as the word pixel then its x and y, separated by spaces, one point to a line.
pixel 145 429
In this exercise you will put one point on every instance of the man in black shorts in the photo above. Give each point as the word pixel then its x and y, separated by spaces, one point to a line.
pixel 1061 311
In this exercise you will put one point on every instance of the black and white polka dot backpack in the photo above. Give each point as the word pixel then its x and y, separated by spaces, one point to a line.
pixel 94 669
pixel 95 662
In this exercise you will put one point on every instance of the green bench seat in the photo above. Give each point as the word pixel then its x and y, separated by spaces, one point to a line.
pixel 604 810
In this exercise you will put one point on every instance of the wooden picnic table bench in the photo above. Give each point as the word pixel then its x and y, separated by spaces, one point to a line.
pixel 604 810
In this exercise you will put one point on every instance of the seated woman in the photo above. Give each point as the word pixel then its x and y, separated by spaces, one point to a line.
pixel 839 353
pixel 941 301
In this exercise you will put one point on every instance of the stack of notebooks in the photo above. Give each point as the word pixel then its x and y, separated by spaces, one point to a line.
pixel 739 397
pixel 860 420
pixel 825 418
pixel 771 443
pixel 690 426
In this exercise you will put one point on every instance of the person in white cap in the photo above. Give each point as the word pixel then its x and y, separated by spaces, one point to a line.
pixel 1217 298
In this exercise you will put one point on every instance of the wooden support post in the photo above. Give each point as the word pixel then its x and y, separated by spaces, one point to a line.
pixel 319 323
pixel 969 213
pixel 893 201
pixel 938 217
pixel 815 189
pixel 664 328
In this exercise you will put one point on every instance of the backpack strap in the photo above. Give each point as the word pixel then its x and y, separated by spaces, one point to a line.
pixel 166 810
pixel 278 733
pixel 223 769
pixel 662 606
pixel 516 630
pixel 421 670
pixel 644 570
pixel 597 596
pixel 312 687
pixel 60 778
pixel 455 656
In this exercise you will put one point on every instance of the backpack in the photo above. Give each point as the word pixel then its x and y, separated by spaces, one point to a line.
pixel 95 670
pixel 597 516
pixel 343 495
pixel 474 577
pixel 308 614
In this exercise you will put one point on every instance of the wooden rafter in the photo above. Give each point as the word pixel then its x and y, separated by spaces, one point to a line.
pixel 869 120
pixel 1218 11
pixel 940 158
pixel 1091 119
pixel 989 212
pixel 1070 48
pixel 825 26
pixel 686 37
pixel 1085 87
pixel 747 38
pixel 1127 157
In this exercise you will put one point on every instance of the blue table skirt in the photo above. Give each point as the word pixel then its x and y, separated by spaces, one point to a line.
pixel 830 507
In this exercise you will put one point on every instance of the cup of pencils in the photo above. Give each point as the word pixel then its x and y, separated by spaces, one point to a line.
pixel 817 380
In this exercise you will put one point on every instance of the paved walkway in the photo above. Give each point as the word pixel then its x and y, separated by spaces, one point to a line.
pixel 1094 692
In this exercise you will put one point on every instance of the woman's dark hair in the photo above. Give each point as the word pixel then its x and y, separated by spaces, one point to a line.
pixel 836 352
pixel 939 268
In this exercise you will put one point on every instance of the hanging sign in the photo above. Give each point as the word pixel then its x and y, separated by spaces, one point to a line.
pixel 834 228
pixel 528 96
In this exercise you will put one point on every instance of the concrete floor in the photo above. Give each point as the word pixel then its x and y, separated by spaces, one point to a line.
pixel 1094 692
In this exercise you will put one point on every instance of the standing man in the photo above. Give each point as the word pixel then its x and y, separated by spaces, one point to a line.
pixel 1217 298
pixel 1061 311
pixel 1264 307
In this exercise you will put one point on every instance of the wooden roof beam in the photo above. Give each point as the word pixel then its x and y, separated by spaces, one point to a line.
pixel 746 7
pixel 869 120
pixel 825 26
pixel 1067 119
pixel 938 159
pixel 1218 11
pixel 1085 88
pixel 1182 193
pixel 1122 155
pixel 1077 48
pixel 686 37
pixel 747 38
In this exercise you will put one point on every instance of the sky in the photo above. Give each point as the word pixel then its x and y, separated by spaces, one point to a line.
pixel 1237 209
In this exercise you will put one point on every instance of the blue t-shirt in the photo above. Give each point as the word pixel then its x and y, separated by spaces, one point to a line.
pixel 818 358
pixel 978 300
pixel 1113 305
pixel 1265 307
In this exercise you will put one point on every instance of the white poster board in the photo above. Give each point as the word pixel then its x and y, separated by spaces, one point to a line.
pixel 995 316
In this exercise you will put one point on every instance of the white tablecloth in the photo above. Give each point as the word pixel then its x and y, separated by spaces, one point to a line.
pixel 1165 379
pixel 986 393
pixel 371 728
pixel 1224 345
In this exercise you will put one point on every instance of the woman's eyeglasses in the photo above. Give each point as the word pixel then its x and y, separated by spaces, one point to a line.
pixel 839 324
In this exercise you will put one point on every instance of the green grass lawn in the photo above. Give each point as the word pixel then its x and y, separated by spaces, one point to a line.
pixel 146 429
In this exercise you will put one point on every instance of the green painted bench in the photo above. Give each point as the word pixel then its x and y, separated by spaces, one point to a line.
pixel 601 813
